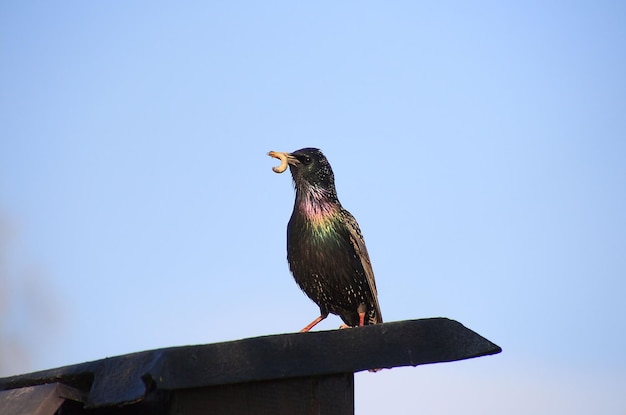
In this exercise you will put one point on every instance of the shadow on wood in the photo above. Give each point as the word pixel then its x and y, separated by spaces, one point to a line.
pixel 308 373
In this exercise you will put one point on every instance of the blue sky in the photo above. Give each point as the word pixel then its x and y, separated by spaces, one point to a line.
pixel 480 146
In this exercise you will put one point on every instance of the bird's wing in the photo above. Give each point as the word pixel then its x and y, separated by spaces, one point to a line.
pixel 356 239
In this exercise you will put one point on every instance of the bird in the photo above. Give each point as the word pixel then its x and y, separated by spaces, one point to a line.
pixel 326 251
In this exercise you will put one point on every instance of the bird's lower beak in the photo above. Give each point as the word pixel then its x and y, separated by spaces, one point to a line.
pixel 285 160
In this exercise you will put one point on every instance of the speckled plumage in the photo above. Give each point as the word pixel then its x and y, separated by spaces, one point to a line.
pixel 325 249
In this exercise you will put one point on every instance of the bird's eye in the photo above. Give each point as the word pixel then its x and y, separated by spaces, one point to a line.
pixel 307 160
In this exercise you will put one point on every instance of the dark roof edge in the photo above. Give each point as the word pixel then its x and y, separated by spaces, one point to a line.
pixel 127 378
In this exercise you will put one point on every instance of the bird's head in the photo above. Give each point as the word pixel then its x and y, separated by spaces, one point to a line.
pixel 310 170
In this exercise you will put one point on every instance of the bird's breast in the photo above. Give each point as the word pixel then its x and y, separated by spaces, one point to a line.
pixel 313 231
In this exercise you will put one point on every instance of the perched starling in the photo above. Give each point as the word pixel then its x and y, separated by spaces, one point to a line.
pixel 325 248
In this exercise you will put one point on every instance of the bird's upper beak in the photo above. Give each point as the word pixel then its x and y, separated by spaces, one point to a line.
pixel 285 160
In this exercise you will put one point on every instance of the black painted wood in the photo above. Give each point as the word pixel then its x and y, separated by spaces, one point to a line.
pixel 137 377
pixel 315 395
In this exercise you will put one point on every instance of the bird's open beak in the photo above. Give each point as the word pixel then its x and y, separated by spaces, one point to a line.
pixel 285 160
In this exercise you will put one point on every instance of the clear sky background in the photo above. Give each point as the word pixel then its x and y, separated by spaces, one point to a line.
pixel 481 146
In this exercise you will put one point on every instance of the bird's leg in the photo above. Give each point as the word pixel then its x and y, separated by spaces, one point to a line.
pixel 313 323
pixel 361 310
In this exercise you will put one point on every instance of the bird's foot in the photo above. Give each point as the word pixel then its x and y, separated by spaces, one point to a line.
pixel 361 322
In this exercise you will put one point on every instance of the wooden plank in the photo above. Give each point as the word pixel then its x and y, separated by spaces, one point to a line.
pixel 33 400
pixel 406 343
pixel 130 378
pixel 317 395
